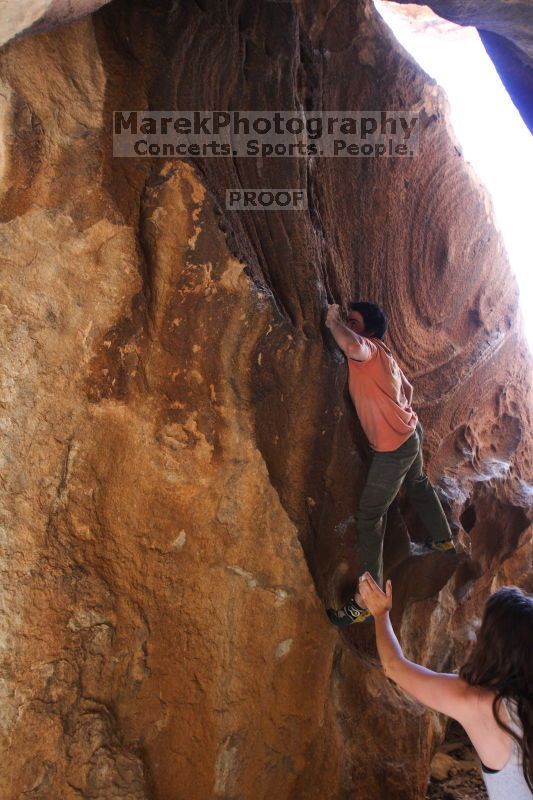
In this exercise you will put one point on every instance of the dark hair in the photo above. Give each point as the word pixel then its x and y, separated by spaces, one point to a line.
pixel 502 660
pixel 374 318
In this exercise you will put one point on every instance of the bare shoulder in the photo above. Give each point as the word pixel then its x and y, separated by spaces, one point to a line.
pixel 493 744
pixel 478 698
pixel 479 709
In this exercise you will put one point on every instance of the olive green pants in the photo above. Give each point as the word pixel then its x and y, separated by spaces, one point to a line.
pixel 387 473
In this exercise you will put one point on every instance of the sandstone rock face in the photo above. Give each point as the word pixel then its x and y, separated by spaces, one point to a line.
pixel 181 464
pixel 506 30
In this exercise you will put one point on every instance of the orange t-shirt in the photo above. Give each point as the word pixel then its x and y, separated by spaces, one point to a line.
pixel 377 392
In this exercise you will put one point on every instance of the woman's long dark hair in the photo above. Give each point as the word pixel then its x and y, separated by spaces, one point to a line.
pixel 502 660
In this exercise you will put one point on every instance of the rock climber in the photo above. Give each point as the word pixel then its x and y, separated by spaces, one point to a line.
pixel 490 697
pixel 383 397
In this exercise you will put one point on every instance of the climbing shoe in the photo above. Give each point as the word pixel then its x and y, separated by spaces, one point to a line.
pixel 446 546
pixel 348 614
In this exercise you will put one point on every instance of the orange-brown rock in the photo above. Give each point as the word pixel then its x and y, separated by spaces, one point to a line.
pixel 181 464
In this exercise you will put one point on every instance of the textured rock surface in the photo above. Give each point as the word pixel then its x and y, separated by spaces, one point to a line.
pixel 181 464
pixel 506 30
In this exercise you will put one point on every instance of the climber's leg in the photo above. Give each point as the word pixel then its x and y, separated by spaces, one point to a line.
pixel 427 504
pixel 386 474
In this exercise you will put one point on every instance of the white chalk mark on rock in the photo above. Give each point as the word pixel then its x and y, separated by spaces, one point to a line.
pixel 258 583
pixel 225 765
pixel 248 577
pixel 283 648
pixel 180 540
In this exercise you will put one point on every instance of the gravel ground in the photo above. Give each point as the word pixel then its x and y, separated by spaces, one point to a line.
pixel 456 773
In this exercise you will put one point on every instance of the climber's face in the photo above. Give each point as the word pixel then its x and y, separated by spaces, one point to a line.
pixel 356 323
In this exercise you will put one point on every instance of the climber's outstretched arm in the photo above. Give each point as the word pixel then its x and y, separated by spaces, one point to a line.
pixel 443 692
pixel 351 344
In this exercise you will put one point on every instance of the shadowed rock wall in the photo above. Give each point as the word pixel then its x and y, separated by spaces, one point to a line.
pixel 181 461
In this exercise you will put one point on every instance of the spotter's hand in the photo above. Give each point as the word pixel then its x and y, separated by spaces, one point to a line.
pixel 377 602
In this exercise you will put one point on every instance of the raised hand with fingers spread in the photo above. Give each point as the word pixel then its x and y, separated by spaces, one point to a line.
pixel 377 601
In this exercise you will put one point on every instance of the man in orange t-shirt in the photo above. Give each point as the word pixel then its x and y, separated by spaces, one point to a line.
pixel 382 397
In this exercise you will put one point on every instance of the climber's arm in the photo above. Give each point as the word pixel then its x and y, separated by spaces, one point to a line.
pixel 352 345
pixel 443 692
